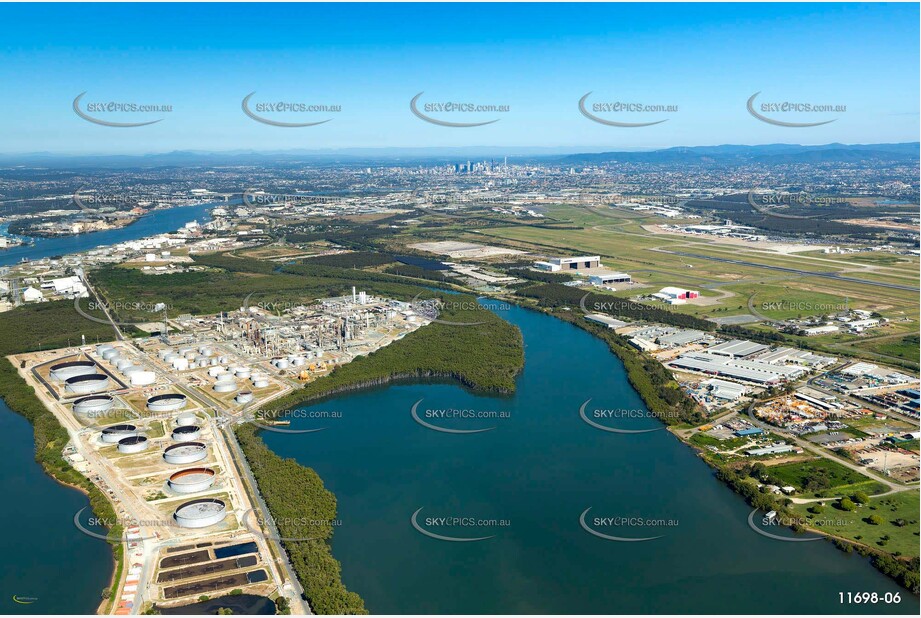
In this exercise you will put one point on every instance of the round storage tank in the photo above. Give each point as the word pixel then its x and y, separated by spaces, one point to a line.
pixel 191 480
pixel 132 444
pixel 110 354
pixel 186 418
pixel 201 513
pixel 93 404
pixel 116 433
pixel 92 383
pixel 170 357
pixel 261 383
pixel 225 386
pixel 143 378
pixel 216 371
pixel 184 433
pixel 244 397
pixel 166 403
pixel 185 453
pixel 242 373
pixel 72 369
pixel 102 348
pixel 123 363
pixel 164 352
pixel 180 364
pixel 127 371
pixel 298 361
pixel 282 363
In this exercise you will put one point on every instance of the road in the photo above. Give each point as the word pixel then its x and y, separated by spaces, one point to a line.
pixel 822 452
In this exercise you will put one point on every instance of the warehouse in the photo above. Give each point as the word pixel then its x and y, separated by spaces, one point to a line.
pixel 675 296
pixel 604 320
pixel 737 348
pixel 715 365
pixel 728 391
pixel 609 279
pixel 569 263
pixel 771 450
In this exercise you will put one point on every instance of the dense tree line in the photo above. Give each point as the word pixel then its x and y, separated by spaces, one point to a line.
pixel 651 380
pixel 295 495
pixel 740 332
pixel 487 355
pixel 353 259
pixel 557 295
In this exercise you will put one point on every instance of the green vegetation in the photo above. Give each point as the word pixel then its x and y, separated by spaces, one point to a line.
pixel 814 476
pixel 295 494
pixel 907 347
pixel 485 356
pixel 557 295
pixel 46 326
pixel 889 522
pixel 354 259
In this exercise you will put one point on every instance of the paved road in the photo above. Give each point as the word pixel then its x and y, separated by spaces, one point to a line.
pixel 822 452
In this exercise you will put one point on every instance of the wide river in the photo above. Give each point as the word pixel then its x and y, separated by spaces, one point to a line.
pixel 525 484
pixel 49 566
pixel 156 222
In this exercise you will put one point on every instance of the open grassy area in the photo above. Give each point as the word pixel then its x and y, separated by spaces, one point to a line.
pixel 897 534
pixel 816 476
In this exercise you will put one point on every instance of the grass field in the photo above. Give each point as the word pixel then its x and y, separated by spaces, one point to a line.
pixel 893 509
pixel 819 477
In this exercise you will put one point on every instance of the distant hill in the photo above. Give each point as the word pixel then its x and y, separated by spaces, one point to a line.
pixel 768 153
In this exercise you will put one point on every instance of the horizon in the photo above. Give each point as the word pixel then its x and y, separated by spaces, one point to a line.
pixel 380 73
pixel 439 150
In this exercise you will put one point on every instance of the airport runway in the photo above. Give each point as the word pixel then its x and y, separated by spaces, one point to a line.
pixel 796 271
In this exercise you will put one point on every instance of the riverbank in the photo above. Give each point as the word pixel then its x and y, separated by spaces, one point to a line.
pixel 645 376
pixel 303 512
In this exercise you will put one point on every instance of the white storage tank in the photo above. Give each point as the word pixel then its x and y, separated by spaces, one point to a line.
pixel 225 387
pixel 142 378
pixel 244 397
pixel 200 513
pixel 132 444
pixel 92 383
pixel 191 480
pixel 180 364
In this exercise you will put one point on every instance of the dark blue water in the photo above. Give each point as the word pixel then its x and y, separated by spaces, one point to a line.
pixel 538 471
pixel 45 558
pixel 157 222
pixel 235 550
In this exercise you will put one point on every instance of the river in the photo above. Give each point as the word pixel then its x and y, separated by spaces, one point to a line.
pixel 525 484
pixel 151 224
pixel 50 567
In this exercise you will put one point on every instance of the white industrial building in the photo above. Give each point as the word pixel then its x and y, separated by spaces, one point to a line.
pixel 569 263
pixel 728 391
pixel 605 320
pixel 609 279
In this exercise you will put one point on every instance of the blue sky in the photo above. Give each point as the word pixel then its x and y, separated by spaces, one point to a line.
pixel 371 59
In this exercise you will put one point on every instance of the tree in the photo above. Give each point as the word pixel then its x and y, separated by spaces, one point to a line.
pixel 846 504
pixel 861 498
pixel 224 611
pixel 874 520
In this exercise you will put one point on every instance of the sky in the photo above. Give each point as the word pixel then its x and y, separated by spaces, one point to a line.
pixel 698 64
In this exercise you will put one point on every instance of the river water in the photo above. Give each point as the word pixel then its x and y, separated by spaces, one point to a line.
pixel 526 483
pixel 156 222
pixel 49 566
